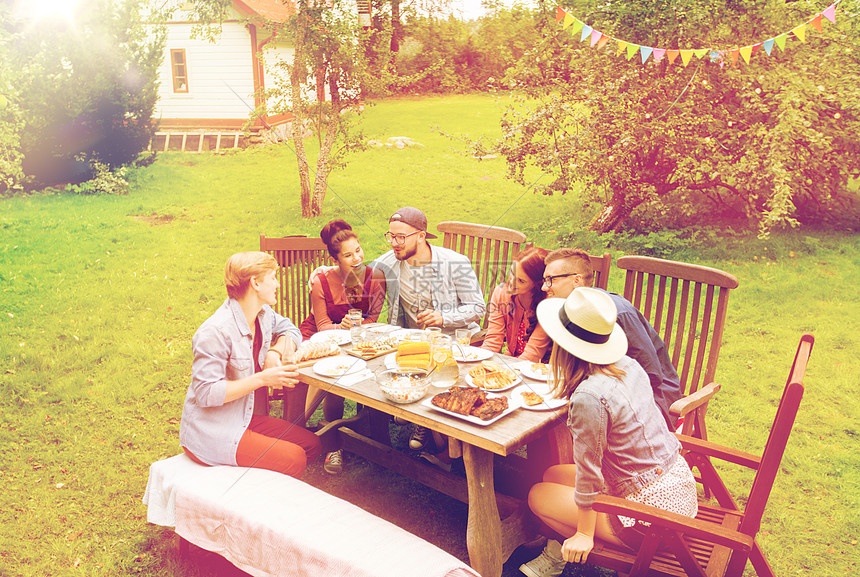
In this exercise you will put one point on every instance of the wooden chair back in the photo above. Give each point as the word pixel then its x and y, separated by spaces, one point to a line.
pixel 601 266
pixel 723 537
pixel 686 304
pixel 297 258
pixel 490 248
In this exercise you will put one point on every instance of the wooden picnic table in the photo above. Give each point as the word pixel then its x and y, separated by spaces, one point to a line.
pixel 490 536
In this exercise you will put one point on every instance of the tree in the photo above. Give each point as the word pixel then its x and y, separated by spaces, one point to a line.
pixel 331 51
pixel 11 172
pixel 770 143
pixel 86 88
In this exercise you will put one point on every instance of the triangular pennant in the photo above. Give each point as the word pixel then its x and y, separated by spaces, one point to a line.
pixel 699 52
pixel 800 32
pixel 568 20
pixel 686 56
pixel 602 42
pixel 658 54
pixel 621 46
pixel 577 26
pixel 672 55
pixel 746 52
pixel 631 50
pixel 733 54
pixel 559 14
pixel 586 32
pixel 768 45
pixel 646 52
pixel 595 36
pixel 830 13
pixel 755 47
pixel 780 40
pixel 816 23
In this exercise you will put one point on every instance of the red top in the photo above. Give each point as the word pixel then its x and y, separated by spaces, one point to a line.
pixel 330 300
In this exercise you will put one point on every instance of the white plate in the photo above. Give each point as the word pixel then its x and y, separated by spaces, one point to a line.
pixel 473 354
pixel 337 336
pixel 390 360
pixel 527 371
pixel 513 405
pixel 403 333
pixel 517 379
pixel 541 389
pixel 339 366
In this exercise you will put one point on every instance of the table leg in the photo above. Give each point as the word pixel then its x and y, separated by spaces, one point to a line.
pixel 484 529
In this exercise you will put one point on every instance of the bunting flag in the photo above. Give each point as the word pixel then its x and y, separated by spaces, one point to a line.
pixel 586 33
pixel 599 39
pixel 646 52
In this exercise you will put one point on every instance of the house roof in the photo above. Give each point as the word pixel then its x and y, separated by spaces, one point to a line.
pixel 272 10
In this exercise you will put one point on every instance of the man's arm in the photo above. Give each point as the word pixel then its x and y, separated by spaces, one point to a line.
pixel 470 306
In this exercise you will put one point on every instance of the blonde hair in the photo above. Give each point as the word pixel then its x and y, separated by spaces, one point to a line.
pixel 242 267
pixel 569 371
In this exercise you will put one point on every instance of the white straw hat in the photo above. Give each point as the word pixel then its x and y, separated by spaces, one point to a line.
pixel 584 325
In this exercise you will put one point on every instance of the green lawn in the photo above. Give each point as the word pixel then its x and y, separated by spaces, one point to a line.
pixel 99 298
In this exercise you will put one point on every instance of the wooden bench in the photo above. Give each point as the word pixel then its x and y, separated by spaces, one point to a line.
pixel 270 524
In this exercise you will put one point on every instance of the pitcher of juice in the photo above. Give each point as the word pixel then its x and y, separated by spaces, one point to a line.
pixel 447 371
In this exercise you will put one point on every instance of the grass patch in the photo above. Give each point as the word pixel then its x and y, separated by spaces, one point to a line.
pixel 99 298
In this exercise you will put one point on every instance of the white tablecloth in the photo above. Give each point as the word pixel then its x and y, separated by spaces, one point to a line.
pixel 269 524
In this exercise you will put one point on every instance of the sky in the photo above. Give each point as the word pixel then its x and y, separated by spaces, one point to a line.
pixel 470 9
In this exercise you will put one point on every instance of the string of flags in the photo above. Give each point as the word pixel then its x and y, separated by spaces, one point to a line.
pixel 598 40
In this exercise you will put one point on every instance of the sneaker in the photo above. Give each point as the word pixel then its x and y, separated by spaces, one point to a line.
pixel 419 437
pixel 400 421
pixel 548 564
pixel 334 462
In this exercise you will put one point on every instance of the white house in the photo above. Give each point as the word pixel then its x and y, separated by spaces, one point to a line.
pixel 212 88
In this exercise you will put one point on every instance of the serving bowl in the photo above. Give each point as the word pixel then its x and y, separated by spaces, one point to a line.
pixel 403 384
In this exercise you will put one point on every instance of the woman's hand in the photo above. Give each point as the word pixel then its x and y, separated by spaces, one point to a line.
pixel 577 548
pixel 346 323
pixel 281 377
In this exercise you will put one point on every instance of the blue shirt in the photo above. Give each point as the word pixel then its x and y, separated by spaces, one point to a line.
pixel 223 351
pixel 620 443
pixel 646 347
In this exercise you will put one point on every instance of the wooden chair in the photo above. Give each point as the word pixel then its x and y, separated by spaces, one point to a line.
pixel 297 258
pixel 601 266
pixel 490 248
pixel 722 537
pixel 686 304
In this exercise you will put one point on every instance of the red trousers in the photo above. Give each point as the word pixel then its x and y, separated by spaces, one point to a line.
pixel 277 445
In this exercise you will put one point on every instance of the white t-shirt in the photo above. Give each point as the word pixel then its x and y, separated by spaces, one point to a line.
pixel 415 296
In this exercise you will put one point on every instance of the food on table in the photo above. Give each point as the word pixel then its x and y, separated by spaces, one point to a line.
pixel 540 369
pixel 338 370
pixel 490 375
pixel 470 401
pixel 308 350
pixel 531 399
pixel 372 348
pixel 413 354
pixel 404 386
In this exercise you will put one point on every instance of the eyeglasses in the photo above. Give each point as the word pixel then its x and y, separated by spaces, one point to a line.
pixel 547 280
pixel 398 238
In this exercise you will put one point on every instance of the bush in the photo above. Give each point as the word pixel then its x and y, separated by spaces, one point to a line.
pixel 104 180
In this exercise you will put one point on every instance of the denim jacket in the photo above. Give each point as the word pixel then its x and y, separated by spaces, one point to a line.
pixel 620 440
pixel 210 428
pixel 451 282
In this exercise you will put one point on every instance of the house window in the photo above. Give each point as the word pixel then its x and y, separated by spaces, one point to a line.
pixel 179 67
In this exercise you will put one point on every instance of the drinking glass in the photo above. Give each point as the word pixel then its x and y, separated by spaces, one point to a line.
pixel 354 315
pixel 463 337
